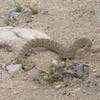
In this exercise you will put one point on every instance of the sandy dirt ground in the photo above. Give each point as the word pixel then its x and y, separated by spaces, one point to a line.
pixel 64 21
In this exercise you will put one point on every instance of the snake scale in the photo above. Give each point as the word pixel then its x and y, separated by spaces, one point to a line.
pixel 52 45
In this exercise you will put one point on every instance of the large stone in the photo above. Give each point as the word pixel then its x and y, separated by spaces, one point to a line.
pixel 16 36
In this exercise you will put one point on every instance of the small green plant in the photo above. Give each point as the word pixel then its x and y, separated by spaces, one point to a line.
pixel 55 67
pixel 68 62
pixel 66 82
pixel 8 21
pixel 46 77
pixel 18 8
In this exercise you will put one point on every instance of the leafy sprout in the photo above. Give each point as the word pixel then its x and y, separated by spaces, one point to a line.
pixel 46 77
pixel 18 8
pixel 8 21
pixel 66 82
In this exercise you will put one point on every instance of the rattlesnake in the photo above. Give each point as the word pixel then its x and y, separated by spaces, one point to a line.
pixel 52 45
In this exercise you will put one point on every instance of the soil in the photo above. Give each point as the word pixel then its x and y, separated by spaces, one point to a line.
pixel 64 21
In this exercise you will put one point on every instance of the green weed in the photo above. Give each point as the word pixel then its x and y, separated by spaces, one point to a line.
pixel 8 21
pixel 18 8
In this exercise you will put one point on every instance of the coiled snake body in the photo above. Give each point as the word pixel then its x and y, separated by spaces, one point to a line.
pixel 52 45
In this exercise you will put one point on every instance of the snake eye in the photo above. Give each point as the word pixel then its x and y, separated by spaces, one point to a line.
pixel 64 59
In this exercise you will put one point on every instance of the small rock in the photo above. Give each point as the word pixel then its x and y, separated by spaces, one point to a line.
pixel 64 93
pixel 58 85
pixel 13 15
pixel 76 90
pixel 13 68
pixel 94 70
pixel 54 62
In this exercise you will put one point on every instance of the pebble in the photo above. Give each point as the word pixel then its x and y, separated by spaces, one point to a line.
pixel 58 85
pixel 13 15
pixel 13 68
